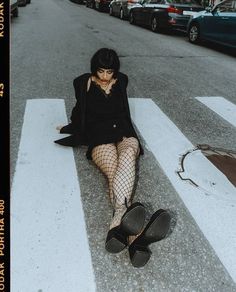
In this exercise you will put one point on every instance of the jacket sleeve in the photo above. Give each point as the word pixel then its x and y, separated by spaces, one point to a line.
pixel 126 80
pixel 76 110
pixel 124 83
pixel 73 127
pixel 76 84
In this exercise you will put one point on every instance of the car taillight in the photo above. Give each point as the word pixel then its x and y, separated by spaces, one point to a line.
pixel 173 9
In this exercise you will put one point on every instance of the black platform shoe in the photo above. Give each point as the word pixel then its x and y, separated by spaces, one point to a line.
pixel 155 230
pixel 131 224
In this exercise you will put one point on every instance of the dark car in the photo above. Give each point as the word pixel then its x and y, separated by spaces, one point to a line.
pixel 90 3
pixel 78 1
pixel 101 5
pixel 23 2
pixel 217 24
pixel 164 14
pixel 14 8
pixel 121 8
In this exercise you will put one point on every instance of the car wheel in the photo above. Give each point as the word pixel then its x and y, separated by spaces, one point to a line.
pixel 110 11
pixel 155 24
pixel 15 12
pixel 194 33
pixel 97 6
pixel 131 18
pixel 28 1
pixel 121 14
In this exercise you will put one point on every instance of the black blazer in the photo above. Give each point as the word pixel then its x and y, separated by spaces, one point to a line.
pixel 77 127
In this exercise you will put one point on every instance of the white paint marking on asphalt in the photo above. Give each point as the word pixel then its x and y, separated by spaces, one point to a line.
pixel 213 205
pixel 221 106
pixel 49 246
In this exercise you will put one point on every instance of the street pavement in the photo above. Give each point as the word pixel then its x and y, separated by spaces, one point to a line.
pixel 51 44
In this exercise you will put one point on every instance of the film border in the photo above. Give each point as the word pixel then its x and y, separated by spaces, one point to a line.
pixel 4 146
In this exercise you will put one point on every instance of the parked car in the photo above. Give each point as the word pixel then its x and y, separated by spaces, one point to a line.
pixel 217 24
pixel 121 8
pixel 102 5
pixel 90 3
pixel 168 14
pixel 14 8
pixel 78 1
pixel 23 2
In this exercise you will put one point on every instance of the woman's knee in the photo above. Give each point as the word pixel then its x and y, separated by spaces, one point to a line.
pixel 129 145
pixel 106 158
pixel 130 151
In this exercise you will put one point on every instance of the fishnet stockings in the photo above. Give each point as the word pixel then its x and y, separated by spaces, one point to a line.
pixel 117 162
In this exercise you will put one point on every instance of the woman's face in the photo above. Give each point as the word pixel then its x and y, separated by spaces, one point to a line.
pixel 105 75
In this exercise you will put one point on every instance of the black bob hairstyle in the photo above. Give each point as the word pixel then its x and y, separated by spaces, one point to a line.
pixel 106 59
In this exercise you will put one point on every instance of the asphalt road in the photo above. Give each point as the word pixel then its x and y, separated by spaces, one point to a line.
pixel 51 43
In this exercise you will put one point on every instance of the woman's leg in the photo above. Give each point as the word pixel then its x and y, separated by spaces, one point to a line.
pixel 118 164
pixel 123 180
pixel 106 158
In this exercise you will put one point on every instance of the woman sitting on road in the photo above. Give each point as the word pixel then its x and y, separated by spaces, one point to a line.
pixel 101 119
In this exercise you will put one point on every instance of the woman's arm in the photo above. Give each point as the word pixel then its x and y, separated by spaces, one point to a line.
pixel 76 114
pixel 70 128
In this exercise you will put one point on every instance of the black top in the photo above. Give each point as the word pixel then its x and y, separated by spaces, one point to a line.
pixel 77 128
pixel 106 119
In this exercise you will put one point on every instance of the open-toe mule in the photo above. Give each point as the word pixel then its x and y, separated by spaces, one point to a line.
pixel 156 229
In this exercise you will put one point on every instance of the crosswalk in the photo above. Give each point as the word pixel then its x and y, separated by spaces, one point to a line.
pixel 48 234
pixel 206 202
pixel 221 106
pixel 47 217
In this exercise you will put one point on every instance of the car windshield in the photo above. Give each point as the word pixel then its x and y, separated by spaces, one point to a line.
pixel 193 2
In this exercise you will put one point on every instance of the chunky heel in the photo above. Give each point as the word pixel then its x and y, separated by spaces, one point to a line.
pixel 116 241
pixel 156 229
pixel 139 255
pixel 131 224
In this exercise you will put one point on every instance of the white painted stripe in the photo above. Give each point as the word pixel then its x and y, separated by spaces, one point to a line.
pixel 49 246
pixel 213 205
pixel 221 106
